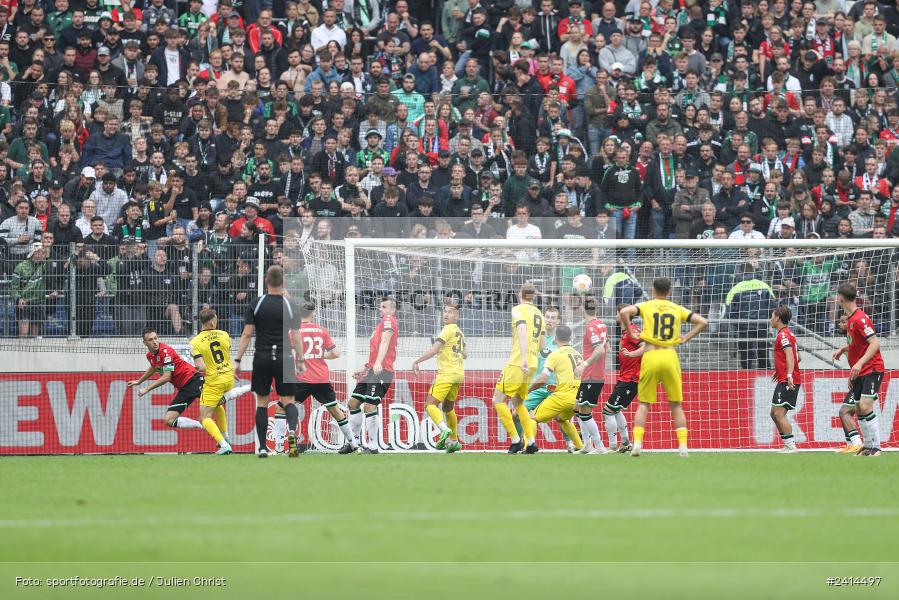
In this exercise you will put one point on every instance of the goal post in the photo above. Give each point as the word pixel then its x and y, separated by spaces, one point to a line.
pixel 727 369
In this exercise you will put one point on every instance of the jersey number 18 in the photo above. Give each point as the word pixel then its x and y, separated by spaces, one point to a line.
pixel 662 326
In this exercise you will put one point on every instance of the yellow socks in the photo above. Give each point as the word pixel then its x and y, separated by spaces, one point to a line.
pixel 638 434
pixel 435 413
pixel 681 433
pixel 453 422
pixel 571 431
pixel 528 426
pixel 505 417
pixel 213 430
pixel 221 418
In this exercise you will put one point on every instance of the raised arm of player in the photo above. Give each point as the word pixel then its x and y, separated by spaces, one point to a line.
pixel 245 336
pixel 163 379
pixel 386 336
pixel 150 370
pixel 699 323
pixel 521 330
pixel 625 315
pixel 873 348
pixel 427 355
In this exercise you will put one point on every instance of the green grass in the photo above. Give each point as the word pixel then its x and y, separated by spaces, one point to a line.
pixel 435 519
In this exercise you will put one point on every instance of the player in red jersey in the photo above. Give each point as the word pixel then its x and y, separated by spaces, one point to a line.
pixel 315 381
pixel 786 374
pixel 592 373
pixel 171 368
pixel 848 410
pixel 375 377
pixel 866 368
pixel 625 390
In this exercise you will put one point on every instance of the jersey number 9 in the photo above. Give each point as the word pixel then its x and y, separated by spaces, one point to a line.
pixel 662 326
pixel 538 326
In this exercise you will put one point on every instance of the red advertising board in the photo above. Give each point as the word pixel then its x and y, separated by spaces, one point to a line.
pixel 72 413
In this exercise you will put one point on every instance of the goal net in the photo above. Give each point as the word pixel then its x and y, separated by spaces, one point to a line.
pixel 66 392
pixel 727 370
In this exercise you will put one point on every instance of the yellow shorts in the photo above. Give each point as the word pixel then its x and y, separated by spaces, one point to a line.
pixel 444 391
pixel 660 366
pixel 213 391
pixel 555 407
pixel 515 382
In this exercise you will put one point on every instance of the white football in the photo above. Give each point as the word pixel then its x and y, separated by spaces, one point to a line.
pixel 582 283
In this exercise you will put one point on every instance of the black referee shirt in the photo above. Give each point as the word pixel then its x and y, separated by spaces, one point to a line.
pixel 273 317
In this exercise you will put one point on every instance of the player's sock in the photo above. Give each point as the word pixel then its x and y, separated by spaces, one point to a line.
pixel 453 421
pixel 279 430
pixel 528 426
pixel 788 439
pixel 593 428
pixel 236 392
pixel 638 435
pixel 221 419
pixel 622 426
pixel 186 423
pixel 681 433
pixel 873 429
pixel 261 425
pixel 356 420
pixel 346 431
pixel 293 418
pixel 582 423
pixel 213 430
pixel 853 439
pixel 611 429
pixel 505 417
pixel 866 434
pixel 371 429
pixel 437 417
pixel 570 430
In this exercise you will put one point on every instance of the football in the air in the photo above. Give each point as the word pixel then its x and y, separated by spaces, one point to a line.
pixel 582 283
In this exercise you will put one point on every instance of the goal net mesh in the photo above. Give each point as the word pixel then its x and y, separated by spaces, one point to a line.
pixel 66 392
pixel 726 370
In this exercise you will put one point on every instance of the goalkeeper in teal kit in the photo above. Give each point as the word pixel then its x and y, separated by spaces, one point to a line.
pixel 551 323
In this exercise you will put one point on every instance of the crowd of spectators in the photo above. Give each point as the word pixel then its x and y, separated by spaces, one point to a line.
pixel 136 132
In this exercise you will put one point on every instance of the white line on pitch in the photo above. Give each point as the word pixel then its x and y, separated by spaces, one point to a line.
pixel 535 515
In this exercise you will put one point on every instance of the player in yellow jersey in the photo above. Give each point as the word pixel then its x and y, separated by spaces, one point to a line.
pixel 527 340
pixel 449 348
pixel 560 404
pixel 211 350
pixel 661 333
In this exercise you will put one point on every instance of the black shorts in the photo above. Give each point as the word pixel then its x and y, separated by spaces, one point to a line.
pixel 187 394
pixel 784 397
pixel 864 385
pixel 623 394
pixel 374 388
pixel 588 393
pixel 323 392
pixel 266 368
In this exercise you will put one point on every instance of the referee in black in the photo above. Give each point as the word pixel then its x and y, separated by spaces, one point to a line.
pixel 276 321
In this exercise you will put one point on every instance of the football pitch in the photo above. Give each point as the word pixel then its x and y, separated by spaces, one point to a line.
pixel 739 525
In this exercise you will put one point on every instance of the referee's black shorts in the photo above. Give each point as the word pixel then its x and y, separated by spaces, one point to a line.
pixel 268 367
